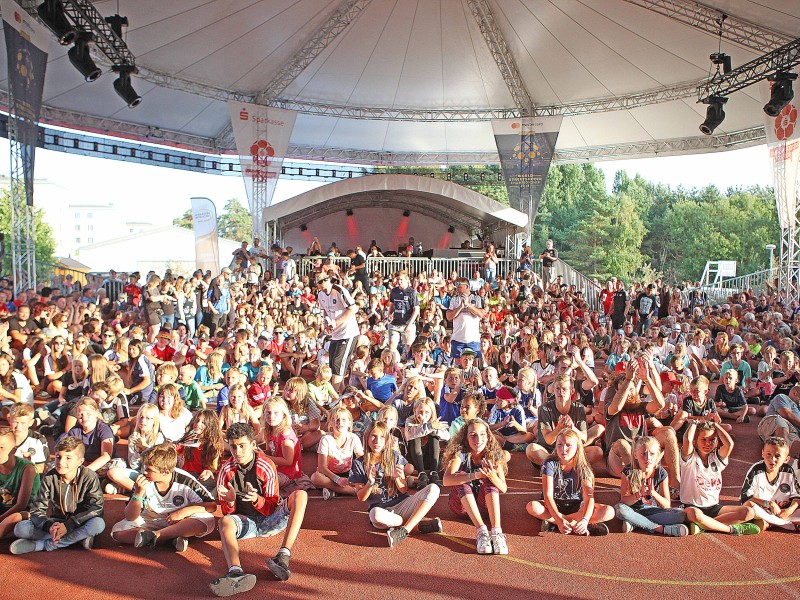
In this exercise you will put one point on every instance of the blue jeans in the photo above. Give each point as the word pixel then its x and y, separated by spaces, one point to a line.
pixel 456 348
pixel 649 517
pixel 168 320
pixel 490 274
pixel 26 530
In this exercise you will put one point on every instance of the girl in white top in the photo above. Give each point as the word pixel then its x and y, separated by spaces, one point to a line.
pixel 174 418
pixel 238 409
pixel 335 453
pixel 705 452
pixel 145 435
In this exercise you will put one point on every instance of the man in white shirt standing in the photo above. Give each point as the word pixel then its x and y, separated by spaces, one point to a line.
pixel 340 311
pixel 465 312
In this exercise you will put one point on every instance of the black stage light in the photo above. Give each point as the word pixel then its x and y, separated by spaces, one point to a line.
pixel 406 213
pixel 303 227
pixel 715 114
pixel 349 212
pixel 52 14
pixel 781 93
pixel 81 59
pixel 451 229
pixel 123 87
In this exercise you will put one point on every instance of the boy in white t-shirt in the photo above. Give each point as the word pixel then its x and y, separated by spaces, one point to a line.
pixel 705 452
pixel 772 488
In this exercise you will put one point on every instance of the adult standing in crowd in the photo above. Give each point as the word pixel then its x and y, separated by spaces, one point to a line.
pixel 112 285
pixel 645 307
pixel 465 312
pixel 219 297
pixel 549 257
pixel 340 311
pixel 403 312
pixel 620 304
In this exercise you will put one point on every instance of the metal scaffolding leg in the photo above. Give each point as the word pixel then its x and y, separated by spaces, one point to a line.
pixel 787 205
pixel 23 231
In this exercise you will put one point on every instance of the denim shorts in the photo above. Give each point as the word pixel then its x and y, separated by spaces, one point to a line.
pixel 262 526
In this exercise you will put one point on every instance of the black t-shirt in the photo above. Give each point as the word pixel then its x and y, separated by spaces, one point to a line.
pixel 361 274
pixel 620 299
pixel 732 400
pixel 403 302
pixel 786 386
pixel 549 257
pixel 645 304
pixel 245 474
pixel 25 327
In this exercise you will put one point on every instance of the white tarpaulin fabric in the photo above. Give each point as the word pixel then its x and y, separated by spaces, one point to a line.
pixel 206 238
pixel 450 196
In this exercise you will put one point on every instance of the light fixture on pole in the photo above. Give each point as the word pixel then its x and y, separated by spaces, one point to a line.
pixel 52 14
pixel 715 114
pixel 123 87
pixel 771 248
pixel 781 93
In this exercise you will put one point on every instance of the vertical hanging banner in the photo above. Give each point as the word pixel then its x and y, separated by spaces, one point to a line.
pixel 26 48
pixel 262 137
pixel 783 141
pixel 206 237
pixel 526 147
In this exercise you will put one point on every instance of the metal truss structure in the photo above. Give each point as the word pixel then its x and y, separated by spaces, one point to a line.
pixel 493 36
pixel 23 243
pixel 783 58
pixel 789 263
pixel 715 22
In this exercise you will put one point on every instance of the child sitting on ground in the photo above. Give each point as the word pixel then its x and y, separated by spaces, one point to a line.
pixel 381 385
pixel 31 446
pixel 771 487
pixel 380 480
pixel 321 391
pixel 248 491
pixel 194 397
pixel 19 482
pixel 704 455
pixel 167 506
pixel 78 520
pixel 335 454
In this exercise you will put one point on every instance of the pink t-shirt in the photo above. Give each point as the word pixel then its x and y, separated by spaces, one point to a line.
pixel 275 448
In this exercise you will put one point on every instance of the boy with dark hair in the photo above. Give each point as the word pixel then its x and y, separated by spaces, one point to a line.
pixel 247 489
pixel 167 505
pixel 72 494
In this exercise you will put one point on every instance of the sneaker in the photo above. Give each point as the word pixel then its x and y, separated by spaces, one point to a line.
pixel 233 583
pixel 431 526
pixel 422 480
pixel 396 535
pixel 679 530
pixel 519 447
pixel 499 545
pixel 433 477
pixel 87 543
pixel 695 529
pixel 626 527
pixel 597 529
pixel 746 419
pixel 111 489
pixel 145 539
pixel 22 546
pixel 328 494
pixel 745 529
pixel 548 527
pixel 279 566
pixel 483 543
pixel 180 544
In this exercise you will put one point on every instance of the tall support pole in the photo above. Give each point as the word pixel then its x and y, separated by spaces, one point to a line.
pixel 789 265
pixel 23 245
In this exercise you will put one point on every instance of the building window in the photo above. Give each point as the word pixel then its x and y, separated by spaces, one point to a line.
pixel 77 240
pixel 130 230
pixel 77 227
pixel 77 215
pixel 88 215
pixel 90 227
pixel 90 241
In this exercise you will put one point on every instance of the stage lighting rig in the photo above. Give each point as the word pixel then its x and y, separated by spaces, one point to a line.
pixel 781 93
pixel 715 114
pixel 51 13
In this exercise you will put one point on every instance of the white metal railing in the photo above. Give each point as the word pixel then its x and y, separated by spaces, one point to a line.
pixel 755 282
pixel 590 288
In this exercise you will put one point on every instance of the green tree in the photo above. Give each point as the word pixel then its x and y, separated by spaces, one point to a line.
pixel 43 234
pixel 185 220
pixel 236 222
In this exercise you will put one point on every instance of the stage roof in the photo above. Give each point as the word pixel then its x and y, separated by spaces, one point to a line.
pixel 416 81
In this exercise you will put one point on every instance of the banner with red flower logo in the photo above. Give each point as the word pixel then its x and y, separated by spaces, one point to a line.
pixel 783 141
pixel 262 137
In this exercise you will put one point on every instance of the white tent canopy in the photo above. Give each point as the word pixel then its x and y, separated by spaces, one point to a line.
pixel 389 81
pixel 378 203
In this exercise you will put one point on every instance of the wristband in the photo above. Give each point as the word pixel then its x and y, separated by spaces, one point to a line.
pixel 585 519
pixel 137 498
pixel 469 477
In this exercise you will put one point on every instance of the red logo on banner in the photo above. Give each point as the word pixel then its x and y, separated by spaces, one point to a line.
pixel 785 122
pixel 262 153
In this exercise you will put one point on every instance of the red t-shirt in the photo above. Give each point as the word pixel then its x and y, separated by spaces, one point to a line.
pixel 275 448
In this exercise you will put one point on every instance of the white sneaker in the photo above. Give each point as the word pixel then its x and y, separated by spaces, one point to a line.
pixel 499 544
pixel 111 489
pixel 483 543
pixel 328 494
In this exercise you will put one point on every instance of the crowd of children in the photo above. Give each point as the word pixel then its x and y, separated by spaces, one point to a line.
pixel 185 421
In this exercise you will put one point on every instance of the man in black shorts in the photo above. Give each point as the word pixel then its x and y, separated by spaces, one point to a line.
pixel 339 310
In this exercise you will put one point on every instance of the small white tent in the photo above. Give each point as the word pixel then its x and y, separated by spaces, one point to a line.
pixel 389 209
